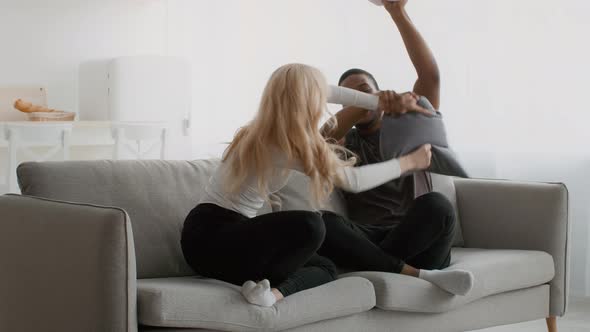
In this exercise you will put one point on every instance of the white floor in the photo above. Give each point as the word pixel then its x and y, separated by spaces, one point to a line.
pixel 577 319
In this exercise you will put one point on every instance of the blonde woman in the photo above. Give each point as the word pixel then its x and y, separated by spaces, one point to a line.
pixel 223 237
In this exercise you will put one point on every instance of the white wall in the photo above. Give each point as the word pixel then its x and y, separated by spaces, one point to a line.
pixel 515 73
pixel 43 42
pixel 235 46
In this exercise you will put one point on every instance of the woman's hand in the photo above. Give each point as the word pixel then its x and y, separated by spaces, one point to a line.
pixel 392 103
pixel 418 160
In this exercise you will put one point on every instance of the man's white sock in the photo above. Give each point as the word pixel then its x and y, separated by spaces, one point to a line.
pixel 259 294
pixel 458 282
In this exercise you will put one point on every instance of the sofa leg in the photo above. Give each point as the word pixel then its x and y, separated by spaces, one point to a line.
pixel 552 324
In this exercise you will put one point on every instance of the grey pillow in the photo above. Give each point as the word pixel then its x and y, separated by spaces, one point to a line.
pixel 403 134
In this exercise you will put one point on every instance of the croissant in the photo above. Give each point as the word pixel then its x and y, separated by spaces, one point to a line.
pixel 27 107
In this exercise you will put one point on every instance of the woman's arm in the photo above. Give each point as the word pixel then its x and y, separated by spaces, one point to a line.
pixel 357 104
pixel 363 178
pixel 349 97
pixel 356 107
pixel 345 120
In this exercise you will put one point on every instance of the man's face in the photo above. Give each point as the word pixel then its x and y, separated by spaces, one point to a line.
pixel 362 82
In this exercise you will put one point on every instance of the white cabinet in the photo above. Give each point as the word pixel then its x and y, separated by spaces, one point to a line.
pixel 140 89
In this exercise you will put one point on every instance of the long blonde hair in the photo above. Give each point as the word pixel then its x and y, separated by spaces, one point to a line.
pixel 288 119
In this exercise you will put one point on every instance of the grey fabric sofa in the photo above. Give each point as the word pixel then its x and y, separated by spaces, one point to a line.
pixel 94 246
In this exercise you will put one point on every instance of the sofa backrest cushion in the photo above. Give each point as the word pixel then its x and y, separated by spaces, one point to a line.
pixel 157 195
pixel 295 196
pixel 446 186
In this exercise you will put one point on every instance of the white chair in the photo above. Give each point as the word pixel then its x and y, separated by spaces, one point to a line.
pixel 23 137
pixel 139 139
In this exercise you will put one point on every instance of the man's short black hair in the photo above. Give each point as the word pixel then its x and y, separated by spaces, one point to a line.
pixel 356 71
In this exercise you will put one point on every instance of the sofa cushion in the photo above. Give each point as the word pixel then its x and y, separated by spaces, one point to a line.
pixel 495 271
pixel 157 195
pixel 193 302
pixel 295 195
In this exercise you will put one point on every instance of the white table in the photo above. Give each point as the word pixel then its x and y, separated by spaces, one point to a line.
pixel 84 133
pixel 89 140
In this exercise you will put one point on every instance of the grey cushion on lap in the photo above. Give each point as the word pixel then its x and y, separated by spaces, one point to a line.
pixel 403 134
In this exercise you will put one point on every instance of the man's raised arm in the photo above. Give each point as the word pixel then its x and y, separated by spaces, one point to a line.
pixel 428 83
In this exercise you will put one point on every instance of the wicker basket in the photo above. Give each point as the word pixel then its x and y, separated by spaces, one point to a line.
pixel 51 116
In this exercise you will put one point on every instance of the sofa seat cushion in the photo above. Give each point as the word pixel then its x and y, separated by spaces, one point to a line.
pixel 495 271
pixel 193 302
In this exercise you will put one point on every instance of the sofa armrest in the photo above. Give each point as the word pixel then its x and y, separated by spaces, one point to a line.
pixel 65 267
pixel 499 214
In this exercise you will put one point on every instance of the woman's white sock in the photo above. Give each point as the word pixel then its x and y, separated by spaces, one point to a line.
pixel 458 282
pixel 247 287
pixel 259 294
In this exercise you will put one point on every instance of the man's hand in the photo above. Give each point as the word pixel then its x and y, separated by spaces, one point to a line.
pixel 394 7
pixel 394 104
